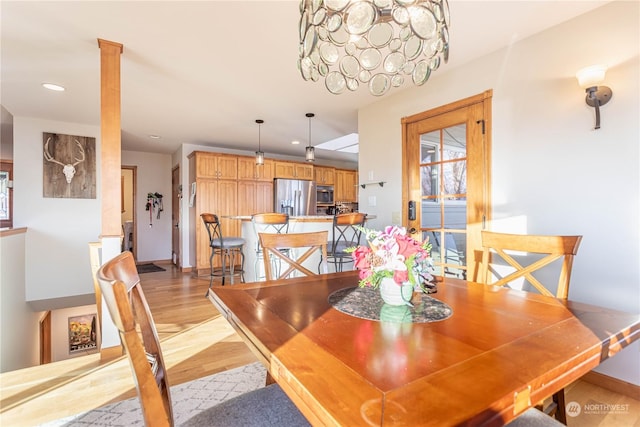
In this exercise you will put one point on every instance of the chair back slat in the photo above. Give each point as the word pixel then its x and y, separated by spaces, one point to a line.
pixel 552 247
pixel 123 296
pixel 274 246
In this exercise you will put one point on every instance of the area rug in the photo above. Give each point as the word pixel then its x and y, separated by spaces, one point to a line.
pixel 188 399
pixel 148 268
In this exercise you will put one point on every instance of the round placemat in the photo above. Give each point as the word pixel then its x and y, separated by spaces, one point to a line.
pixel 366 303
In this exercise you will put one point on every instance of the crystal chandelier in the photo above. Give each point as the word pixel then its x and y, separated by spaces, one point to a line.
pixel 373 42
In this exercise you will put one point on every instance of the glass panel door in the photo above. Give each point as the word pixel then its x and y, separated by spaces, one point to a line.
pixel 443 172
pixel 446 159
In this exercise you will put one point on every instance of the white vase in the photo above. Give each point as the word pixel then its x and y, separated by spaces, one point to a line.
pixel 394 294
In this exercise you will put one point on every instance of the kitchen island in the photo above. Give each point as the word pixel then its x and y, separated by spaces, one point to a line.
pixel 253 270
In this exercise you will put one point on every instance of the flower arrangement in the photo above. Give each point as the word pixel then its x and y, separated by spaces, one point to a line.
pixel 392 253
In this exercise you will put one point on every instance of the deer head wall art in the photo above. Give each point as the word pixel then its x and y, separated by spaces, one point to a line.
pixel 69 166
pixel 69 170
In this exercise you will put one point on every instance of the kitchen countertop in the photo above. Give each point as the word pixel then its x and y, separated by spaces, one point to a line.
pixel 303 218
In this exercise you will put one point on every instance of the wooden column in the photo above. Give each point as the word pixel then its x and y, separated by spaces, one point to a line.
pixel 110 135
pixel 110 164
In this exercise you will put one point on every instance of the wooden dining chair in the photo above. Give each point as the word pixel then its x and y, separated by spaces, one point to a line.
pixel 273 245
pixel 551 248
pixel 125 300
pixel 345 234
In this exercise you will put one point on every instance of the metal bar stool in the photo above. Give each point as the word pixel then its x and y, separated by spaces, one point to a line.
pixel 346 234
pixel 227 248
pixel 276 223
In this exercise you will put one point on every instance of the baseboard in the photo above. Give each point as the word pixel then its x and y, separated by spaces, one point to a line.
pixel 613 384
pixel 186 269
pixel 161 262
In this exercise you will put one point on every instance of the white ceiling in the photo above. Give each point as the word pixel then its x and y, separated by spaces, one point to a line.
pixel 201 72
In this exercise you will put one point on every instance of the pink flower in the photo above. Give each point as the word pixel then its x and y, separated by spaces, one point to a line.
pixel 363 274
pixel 407 246
pixel 360 258
pixel 400 276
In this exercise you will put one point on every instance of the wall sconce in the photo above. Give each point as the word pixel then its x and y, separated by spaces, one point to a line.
pixel 589 78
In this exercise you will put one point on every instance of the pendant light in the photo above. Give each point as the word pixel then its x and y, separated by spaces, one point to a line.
pixel 310 155
pixel 259 153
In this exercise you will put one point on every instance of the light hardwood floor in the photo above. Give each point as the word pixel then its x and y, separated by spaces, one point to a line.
pixel 197 341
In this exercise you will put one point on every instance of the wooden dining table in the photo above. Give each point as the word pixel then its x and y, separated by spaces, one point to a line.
pixel 498 353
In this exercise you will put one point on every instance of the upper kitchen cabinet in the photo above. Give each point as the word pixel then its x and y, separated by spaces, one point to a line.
pixel 249 171
pixel 293 170
pixel 324 175
pixel 346 186
pixel 217 166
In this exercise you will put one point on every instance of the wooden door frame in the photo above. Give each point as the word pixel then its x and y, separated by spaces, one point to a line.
pixel 175 207
pixel 45 338
pixel 134 193
pixel 474 243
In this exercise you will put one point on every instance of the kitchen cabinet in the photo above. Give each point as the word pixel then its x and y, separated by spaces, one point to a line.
pixel 293 170
pixel 255 186
pixel 254 197
pixel 324 175
pixel 215 177
pixel 219 197
pixel 248 170
pixel 346 186
pixel 215 165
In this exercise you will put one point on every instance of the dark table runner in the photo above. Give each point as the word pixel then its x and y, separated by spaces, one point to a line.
pixel 366 303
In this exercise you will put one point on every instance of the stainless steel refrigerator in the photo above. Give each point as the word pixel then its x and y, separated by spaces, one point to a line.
pixel 294 197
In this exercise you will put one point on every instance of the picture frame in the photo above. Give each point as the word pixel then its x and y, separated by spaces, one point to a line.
pixel 69 166
pixel 83 335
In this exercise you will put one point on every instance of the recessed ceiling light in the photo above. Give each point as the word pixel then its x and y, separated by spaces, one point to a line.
pixel 154 136
pixel 295 142
pixel 52 86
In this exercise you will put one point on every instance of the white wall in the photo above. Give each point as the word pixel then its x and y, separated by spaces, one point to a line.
pixel 57 251
pixel 19 339
pixel 552 174
pixel 153 176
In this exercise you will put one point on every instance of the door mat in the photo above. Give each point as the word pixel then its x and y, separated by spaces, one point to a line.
pixel 148 268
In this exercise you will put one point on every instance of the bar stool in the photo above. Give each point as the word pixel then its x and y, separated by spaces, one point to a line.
pixel 275 223
pixel 346 234
pixel 227 248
